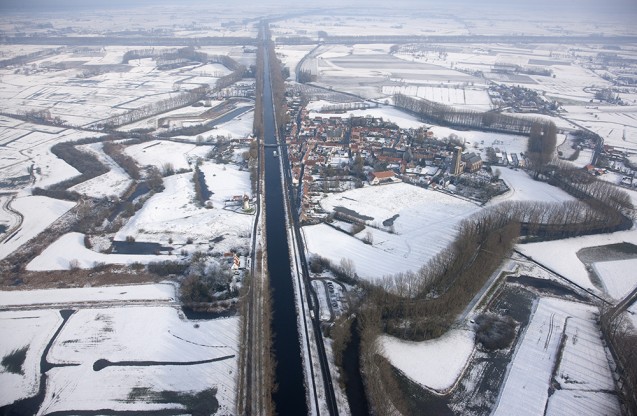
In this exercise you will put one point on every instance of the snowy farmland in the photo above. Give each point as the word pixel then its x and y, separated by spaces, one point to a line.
pixel 65 92
pixel 38 213
pixel 425 225
pixel 523 188
pixel 561 345
pixel 174 213
pixel 160 153
pixel 435 364
pixel 148 351
pixel 569 265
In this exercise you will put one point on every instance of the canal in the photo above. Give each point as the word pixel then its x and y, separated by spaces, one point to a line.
pixel 290 397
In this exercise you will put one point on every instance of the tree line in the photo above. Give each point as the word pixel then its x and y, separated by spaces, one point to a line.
pixel 178 100
pixel 116 152
pixel 277 80
pixel 448 115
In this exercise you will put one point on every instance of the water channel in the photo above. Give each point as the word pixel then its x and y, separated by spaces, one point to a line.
pixel 290 397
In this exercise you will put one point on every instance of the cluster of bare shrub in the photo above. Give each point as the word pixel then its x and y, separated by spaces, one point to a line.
pixel 116 152
pixel 623 344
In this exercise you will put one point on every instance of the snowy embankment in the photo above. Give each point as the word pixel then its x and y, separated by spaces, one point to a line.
pixel 435 364
pixel 69 251
pixel 567 263
pixel 39 212
pixel 156 291
pixel 561 345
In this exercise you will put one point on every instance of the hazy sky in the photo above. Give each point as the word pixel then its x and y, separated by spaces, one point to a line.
pixel 576 6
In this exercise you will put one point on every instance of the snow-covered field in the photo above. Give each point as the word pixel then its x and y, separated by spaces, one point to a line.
pixel 523 188
pixel 158 153
pixel 132 334
pixel 388 113
pixel 619 277
pixel 435 364
pixel 24 329
pixel 164 351
pixel 583 369
pixel 567 263
pixel 477 99
pixel 426 224
pixel 39 212
pixel 173 213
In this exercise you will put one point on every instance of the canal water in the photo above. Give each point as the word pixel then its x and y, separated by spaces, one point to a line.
pixel 290 397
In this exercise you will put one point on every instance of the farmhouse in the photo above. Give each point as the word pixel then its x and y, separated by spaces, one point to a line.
pixel 386 176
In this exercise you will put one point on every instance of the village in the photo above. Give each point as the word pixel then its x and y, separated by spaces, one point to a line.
pixel 331 154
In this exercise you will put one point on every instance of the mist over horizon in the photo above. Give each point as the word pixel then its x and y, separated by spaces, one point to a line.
pixel 577 7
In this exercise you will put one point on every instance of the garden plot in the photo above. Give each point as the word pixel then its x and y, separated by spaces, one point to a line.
pixel 160 153
pixel 156 291
pixel 435 364
pixel 39 212
pixel 567 263
pixel 27 332
pixel 69 252
pixel 158 351
pixel 579 364
pixel 114 182
pixel 425 225
pixel 174 213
